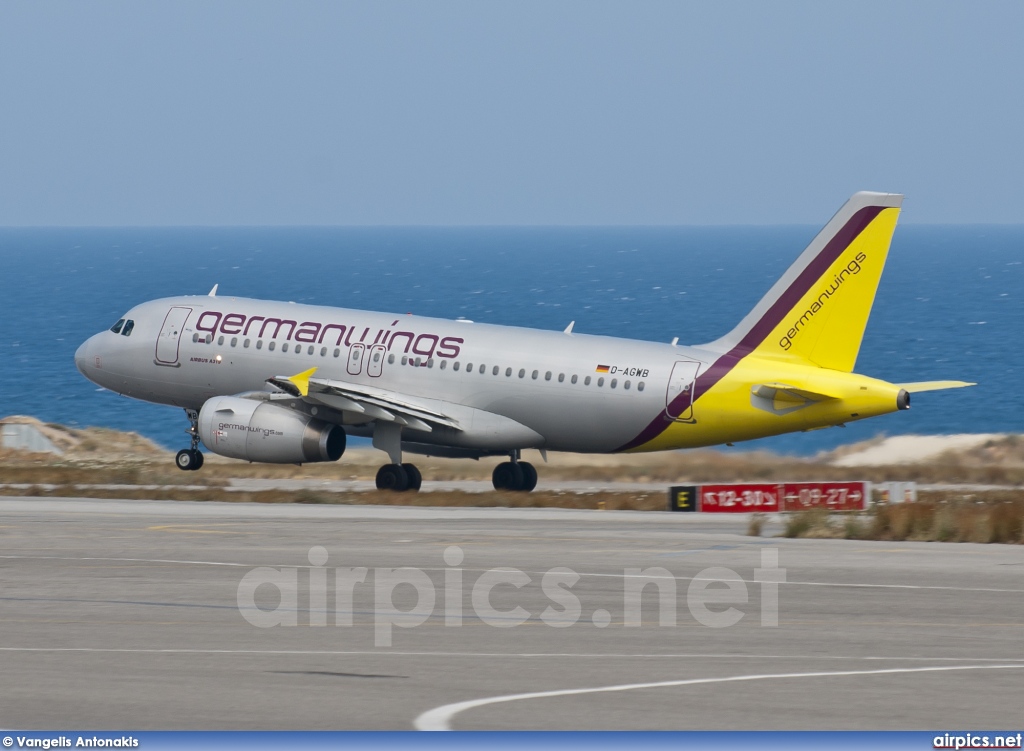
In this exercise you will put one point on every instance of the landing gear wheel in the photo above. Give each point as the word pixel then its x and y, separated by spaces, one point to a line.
pixel 187 459
pixel 415 478
pixel 529 476
pixel 392 477
pixel 507 476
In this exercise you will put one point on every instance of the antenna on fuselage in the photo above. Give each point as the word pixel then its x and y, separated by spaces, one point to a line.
pixel 213 292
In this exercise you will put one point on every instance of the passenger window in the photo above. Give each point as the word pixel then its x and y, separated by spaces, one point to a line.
pixel 522 372
pixel 391 358
pixel 195 338
pixel 535 373
pixel 574 379
pixel 323 353
pixel 271 346
pixel 508 372
pixel 561 377
pixel 430 362
pixel 309 351
pixel 259 344
pixel 483 368
pixel 626 385
pixel 496 369
pixel 600 382
pixel 116 328
pixel 586 381
pixel 220 341
pixel 469 368
pixel 337 353
pixel 455 365
pixel 245 344
pixel 128 326
pixel 284 347
pixel 234 341
pixel 640 386
pixel 615 382
pixel 444 364
pixel 547 376
pixel 376 355
pixel 405 360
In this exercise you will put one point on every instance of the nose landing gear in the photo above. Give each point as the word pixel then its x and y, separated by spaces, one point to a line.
pixel 191 459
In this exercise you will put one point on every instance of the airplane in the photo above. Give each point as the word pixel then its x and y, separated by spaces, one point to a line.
pixel 456 388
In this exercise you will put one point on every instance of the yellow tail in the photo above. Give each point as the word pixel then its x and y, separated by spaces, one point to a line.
pixel 817 311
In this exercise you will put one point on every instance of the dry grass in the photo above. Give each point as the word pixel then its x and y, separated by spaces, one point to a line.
pixel 594 501
pixel 675 467
pixel 994 517
pixel 756 524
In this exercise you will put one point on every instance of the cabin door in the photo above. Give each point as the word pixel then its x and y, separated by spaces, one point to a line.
pixel 679 397
pixel 170 334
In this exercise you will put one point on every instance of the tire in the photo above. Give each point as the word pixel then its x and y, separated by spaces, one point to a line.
pixel 507 476
pixel 199 460
pixel 529 476
pixel 415 478
pixel 392 477
pixel 185 460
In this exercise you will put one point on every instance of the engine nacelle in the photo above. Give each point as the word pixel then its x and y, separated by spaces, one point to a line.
pixel 259 431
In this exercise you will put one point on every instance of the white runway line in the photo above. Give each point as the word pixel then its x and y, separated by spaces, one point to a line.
pixel 505 655
pixel 853 585
pixel 440 718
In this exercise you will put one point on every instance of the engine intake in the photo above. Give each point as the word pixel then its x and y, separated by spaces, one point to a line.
pixel 258 431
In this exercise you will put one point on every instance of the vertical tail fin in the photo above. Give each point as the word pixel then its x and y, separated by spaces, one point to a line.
pixel 818 310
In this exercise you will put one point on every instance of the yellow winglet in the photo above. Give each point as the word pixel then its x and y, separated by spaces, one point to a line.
pixel 301 381
pixel 916 388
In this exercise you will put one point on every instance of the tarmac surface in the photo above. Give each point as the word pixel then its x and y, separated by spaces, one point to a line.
pixel 153 615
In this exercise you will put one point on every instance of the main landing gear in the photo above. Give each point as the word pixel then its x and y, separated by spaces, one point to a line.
pixel 191 459
pixel 399 477
pixel 515 475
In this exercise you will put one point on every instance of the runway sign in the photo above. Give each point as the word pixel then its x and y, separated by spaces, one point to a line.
pixel 834 496
pixel 770 497
pixel 740 498
pixel 683 498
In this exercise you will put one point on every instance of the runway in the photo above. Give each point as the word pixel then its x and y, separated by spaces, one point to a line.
pixel 125 614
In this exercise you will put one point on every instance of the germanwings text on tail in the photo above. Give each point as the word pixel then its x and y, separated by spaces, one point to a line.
pixel 461 389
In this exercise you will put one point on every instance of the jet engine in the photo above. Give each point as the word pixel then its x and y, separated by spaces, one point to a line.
pixel 259 431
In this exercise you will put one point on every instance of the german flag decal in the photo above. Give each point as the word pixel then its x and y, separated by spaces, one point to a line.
pixel 602 368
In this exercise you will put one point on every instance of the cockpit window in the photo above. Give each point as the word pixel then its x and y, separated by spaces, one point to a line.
pixel 128 326
pixel 116 328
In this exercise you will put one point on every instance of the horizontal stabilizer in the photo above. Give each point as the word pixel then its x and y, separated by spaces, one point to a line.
pixel 916 388
pixel 785 392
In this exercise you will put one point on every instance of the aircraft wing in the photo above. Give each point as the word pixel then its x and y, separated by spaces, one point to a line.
pixel 376 404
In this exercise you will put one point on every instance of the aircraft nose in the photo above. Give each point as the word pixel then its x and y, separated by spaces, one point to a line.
pixel 82 355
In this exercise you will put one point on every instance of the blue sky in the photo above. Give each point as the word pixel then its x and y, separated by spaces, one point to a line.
pixel 384 113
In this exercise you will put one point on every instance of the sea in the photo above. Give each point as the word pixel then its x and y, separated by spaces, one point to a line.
pixel 950 304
